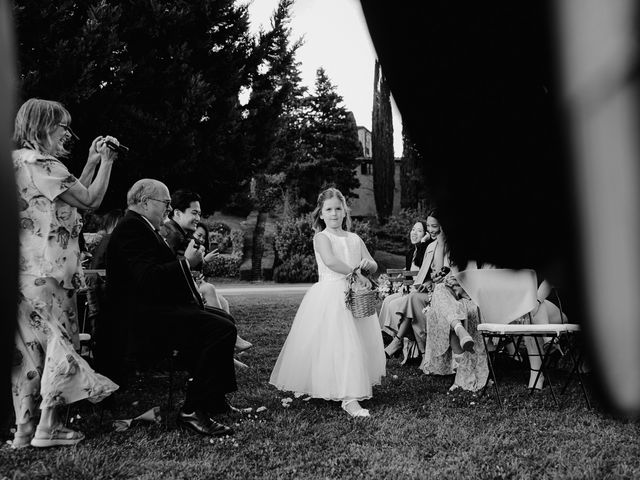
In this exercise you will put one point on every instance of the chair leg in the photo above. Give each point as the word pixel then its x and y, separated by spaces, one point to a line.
pixel 491 370
pixel 576 360
pixel 543 368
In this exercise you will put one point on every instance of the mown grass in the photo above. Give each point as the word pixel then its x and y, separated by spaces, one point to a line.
pixel 417 429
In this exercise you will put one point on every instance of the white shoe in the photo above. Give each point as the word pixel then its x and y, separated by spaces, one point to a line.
pixel 353 408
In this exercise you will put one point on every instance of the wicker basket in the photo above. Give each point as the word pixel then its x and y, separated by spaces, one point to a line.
pixel 362 303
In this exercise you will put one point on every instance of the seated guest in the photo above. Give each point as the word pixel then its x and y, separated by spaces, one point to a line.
pixel 151 293
pixel 210 296
pixel 185 214
pixel 178 230
pixel 109 222
pixel 544 312
pixel 206 289
pixel 419 240
pixel 409 320
pixel 449 307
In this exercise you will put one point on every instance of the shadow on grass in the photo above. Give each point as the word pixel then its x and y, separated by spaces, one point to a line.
pixel 418 430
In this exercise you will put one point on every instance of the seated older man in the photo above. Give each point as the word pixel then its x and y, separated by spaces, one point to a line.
pixel 151 294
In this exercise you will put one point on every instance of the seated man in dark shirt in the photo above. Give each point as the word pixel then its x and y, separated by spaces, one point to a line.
pixel 183 219
pixel 151 294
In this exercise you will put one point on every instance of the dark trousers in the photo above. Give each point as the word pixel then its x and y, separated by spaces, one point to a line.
pixel 205 340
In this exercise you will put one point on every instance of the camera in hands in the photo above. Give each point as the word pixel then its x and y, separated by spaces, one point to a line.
pixel 115 147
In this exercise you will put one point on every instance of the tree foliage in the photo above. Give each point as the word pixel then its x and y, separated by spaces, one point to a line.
pixel 382 147
pixel 163 76
pixel 326 139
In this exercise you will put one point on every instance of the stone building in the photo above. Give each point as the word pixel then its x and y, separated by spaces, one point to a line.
pixel 365 205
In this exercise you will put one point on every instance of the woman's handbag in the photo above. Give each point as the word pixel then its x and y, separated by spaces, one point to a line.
pixel 360 299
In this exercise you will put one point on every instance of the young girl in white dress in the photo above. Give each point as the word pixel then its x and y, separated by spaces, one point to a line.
pixel 328 353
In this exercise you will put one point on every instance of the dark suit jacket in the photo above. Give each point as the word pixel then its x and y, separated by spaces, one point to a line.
pixel 175 236
pixel 147 289
pixel 143 272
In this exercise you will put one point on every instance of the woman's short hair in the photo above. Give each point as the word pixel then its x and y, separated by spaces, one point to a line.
pixel 35 122
pixel 317 223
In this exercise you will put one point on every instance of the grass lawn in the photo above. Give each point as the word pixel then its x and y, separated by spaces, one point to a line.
pixel 417 430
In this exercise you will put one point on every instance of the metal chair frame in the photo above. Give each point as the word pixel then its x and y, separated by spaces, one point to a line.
pixel 516 333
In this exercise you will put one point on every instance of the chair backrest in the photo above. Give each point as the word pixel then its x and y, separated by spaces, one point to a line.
pixel 502 295
pixel 397 275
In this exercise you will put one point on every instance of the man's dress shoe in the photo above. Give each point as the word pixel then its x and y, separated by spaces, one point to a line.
pixel 200 422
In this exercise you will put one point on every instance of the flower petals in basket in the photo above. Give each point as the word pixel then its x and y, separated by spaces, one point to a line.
pixel 361 299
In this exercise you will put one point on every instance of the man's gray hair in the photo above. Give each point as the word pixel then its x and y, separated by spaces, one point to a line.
pixel 141 190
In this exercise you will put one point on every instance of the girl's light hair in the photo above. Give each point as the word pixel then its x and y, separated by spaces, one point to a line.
pixel 317 223
pixel 35 121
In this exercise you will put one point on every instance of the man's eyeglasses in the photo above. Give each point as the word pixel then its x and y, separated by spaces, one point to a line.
pixel 167 203
pixel 71 133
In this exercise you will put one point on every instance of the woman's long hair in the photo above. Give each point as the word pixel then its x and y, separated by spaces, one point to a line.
pixel 35 121
pixel 317 223
pixel 416 251
pixel 207 242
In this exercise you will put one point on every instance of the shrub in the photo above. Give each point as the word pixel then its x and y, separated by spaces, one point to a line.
pixel 398 226
pixel 294 236
pixel 296 268
pixel 220 236
pixel 365 232
pixel 227 264
pixel 224 265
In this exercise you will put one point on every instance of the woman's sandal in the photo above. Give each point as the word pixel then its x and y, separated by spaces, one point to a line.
pixel 21 439
pixel 353 408
pixel 56 437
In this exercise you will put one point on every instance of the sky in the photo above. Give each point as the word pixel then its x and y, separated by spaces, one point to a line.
pixel 335 38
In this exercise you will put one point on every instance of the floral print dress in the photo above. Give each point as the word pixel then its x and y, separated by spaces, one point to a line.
pixel 47 370
pixel 471 369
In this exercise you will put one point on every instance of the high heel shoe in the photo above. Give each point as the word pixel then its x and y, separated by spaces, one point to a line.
pixel 353 408
pixel 395 345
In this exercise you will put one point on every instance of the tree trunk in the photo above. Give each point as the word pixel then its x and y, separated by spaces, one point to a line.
pixel 382 147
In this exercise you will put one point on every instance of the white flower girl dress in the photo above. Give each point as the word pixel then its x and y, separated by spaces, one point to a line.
pixel 328 353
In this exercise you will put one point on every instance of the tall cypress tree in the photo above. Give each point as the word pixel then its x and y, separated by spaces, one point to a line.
pixel 413 190
pixel 382 146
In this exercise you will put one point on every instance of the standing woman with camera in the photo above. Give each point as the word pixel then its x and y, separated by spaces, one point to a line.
pixel 47 370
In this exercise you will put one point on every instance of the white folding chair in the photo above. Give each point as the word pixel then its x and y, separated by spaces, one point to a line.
pixel 503 296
